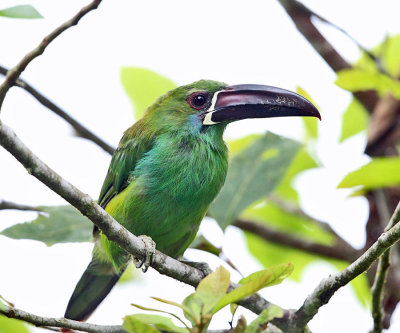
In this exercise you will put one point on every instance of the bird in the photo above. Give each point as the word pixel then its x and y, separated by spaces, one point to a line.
pixel 168 168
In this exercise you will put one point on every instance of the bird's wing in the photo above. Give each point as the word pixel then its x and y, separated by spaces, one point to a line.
pixel 131 148
pixel 123 162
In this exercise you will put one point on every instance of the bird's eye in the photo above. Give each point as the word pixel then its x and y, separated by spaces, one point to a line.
pixel 198 100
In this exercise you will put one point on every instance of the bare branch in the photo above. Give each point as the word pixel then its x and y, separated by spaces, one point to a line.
pixel 11 312
pixel 81 130
pixel 336 251
pixel 295 210
pixel 327 287
pixel 14 73
pixel 12 205
pixel 377 291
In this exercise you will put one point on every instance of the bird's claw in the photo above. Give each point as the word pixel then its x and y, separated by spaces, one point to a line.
pixel 150 246
pixel 202 266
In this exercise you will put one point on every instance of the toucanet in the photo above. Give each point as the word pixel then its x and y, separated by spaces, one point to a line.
pixel 168 168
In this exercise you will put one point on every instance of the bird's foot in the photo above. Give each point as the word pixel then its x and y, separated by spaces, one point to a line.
pixel 150 246
pixel 202 266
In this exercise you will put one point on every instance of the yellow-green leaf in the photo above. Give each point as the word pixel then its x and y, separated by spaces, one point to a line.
pixel 134 325
pixel 154 321
pixel 380 172
pixel 143 87
pixel 354 120
pixel 257 325
pixel 192 309
pixel 276 274
pixel 8 325
pixel 359 79
pixel 212 288
pixel 254 283
pixel 21 12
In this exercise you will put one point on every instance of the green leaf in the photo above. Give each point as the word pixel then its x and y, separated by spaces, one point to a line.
pixel 258 324
pixel 302 161
pixel 380 172
pixel 159 322
pixel 130 274
pixel 135 325
pixel 143 87
pixel 354 120
pixel 192 306
pixel 254 283
pixel 236 146
pixel 212 288
pixel 310 123
pixel 269 254
pixel 252 174
pixel 273 216
pixel 276 274
pixel 390 50
pixel 21 12
pixel 167 302
pixel 359 79
pixel 58 224
pixel 8 325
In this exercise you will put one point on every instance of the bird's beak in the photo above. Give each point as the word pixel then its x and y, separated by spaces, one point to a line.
pixel 256 101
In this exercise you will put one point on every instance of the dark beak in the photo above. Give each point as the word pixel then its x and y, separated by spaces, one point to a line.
pixel 256 101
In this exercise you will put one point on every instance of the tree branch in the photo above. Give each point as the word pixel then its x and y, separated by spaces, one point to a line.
pixel 336 251
pixel 14 73
pixel 377 291
pixel 111 228
pixel 295 210
pixel 327 287
pixel 81 130
pixel 12 205
pixel 11 312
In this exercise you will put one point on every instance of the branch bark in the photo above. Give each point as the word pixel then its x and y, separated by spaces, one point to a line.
pixel 336 251
pixel 14 73
pixel 81 130
pixel 12 205
pixel 11 312
pixel 327 287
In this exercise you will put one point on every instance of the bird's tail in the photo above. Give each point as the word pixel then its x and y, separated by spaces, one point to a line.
pixel 94 285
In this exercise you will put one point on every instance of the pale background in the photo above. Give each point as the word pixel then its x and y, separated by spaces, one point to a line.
pixel 231 41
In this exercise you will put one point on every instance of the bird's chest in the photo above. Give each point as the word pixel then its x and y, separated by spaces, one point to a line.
pixel 183 175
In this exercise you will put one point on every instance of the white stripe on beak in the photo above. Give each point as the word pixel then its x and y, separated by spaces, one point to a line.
pixel 207 119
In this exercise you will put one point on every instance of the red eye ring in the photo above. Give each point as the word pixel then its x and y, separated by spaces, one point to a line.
pixel 198 100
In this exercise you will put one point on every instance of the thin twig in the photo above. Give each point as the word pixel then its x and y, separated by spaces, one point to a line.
pixel 378 287
pixel 111 228
pixel 14 73
pixel 377 291
pixel 327 287
pixel 59 322
pixel 336 251
pixel 81 130
pixel 12 205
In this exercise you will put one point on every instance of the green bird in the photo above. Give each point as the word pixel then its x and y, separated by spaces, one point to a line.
pixel 168 168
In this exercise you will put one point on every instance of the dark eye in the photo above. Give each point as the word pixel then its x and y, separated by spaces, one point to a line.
pixel 198 100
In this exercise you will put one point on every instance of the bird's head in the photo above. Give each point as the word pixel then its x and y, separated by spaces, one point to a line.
pixel 205 104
